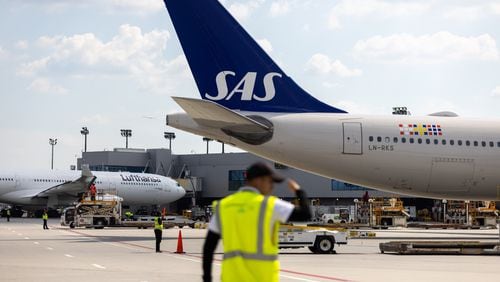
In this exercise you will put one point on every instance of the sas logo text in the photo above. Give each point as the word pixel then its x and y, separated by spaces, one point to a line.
pixel 245 87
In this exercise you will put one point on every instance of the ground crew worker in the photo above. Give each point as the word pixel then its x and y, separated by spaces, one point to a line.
pixel 248 223
pixel 93 192
pixel 158 231
pixel 45 217
pixel 8 215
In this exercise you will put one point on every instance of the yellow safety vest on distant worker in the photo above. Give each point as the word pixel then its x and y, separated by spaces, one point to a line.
pixel 157 224
pixel 45 216
pixel 250 248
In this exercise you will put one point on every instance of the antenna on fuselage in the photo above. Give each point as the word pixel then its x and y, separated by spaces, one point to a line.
pixel 402 111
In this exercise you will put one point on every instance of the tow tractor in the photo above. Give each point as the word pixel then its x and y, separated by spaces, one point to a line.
pixel 318 240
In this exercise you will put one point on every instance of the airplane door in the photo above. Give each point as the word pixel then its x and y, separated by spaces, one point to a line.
pixel 353 138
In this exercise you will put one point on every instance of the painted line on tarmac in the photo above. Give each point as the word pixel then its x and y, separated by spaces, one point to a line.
pixel 50 249
pixel 26 238
pixel 172 254
pixel 36 243
pixel 297 278
pixel 98 266
pixel 68 255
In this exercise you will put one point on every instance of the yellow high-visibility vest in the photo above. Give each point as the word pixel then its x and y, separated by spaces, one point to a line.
pixel 45 216
pixel 158 226
pixel 250 242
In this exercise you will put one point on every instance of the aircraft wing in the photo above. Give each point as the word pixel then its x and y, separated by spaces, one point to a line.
pixel 71 188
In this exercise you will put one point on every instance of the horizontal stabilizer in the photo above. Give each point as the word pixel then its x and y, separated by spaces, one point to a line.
pixel 253 130
pixel 210 114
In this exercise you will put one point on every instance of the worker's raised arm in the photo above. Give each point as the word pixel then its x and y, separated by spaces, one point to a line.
pixel 208 254
pixel 303 211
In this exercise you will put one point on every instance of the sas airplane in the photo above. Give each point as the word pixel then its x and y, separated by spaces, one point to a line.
pixel 55 188
pixel 248 101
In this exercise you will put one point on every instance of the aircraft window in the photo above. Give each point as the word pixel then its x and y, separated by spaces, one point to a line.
pixel 444 141
pixel 492 144
pixel 412 140
pixel 387 139
pixel 403 140
pixel 452 142
pixel 459 142
pixel 419 140
pixel 370 138
pixel 396 140
pixel 379 139
pixel 476 143
pixel 436 141
pixel 428 141
pixel 483 143
pixel 467 143
pixel 498 144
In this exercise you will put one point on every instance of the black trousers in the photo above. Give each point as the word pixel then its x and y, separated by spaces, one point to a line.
pixel 45 224
pixel 158 236
pixel 8 218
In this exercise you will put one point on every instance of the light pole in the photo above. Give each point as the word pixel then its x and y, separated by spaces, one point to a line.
pixel 85 131
pixel 126 133
pixel 52 143
pixel 169 136
pixel 208 140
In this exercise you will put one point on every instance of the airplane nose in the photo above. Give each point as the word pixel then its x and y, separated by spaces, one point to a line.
pixel 182 192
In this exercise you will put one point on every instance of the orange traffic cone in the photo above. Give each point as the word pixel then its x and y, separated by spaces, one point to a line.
pixel 180 247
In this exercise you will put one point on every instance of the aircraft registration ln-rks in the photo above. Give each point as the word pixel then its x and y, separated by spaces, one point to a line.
pixel 248 101
pixel 56 188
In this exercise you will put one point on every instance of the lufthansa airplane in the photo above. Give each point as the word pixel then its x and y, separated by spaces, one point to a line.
pixel 248 101
pixel 56 188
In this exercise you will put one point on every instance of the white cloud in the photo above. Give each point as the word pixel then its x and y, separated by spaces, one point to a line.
pixel 266 45
pixel 44 85
pixel 496 92
pixel 22 44
pixel 130 53
pixel 371 8
pixel 3 53
pixel 142 6
pixel 279 8
pixel 322 64
pixel 472 12
pixel 242 10
pixel 431 48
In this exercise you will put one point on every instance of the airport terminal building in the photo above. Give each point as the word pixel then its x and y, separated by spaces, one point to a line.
pixel 208 177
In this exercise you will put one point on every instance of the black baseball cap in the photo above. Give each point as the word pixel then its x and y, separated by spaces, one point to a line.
pixel 263 169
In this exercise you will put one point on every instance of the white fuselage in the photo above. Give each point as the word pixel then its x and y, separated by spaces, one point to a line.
pixel 19 188
pixel 370 151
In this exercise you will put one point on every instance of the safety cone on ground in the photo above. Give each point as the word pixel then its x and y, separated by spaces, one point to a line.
pixel 180 247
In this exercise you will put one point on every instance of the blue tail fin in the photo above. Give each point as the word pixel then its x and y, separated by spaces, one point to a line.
pixel 229 67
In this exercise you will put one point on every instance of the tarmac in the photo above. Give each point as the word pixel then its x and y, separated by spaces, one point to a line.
pixel 29 253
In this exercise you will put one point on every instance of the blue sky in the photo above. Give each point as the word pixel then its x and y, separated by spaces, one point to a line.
pixel 114 64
